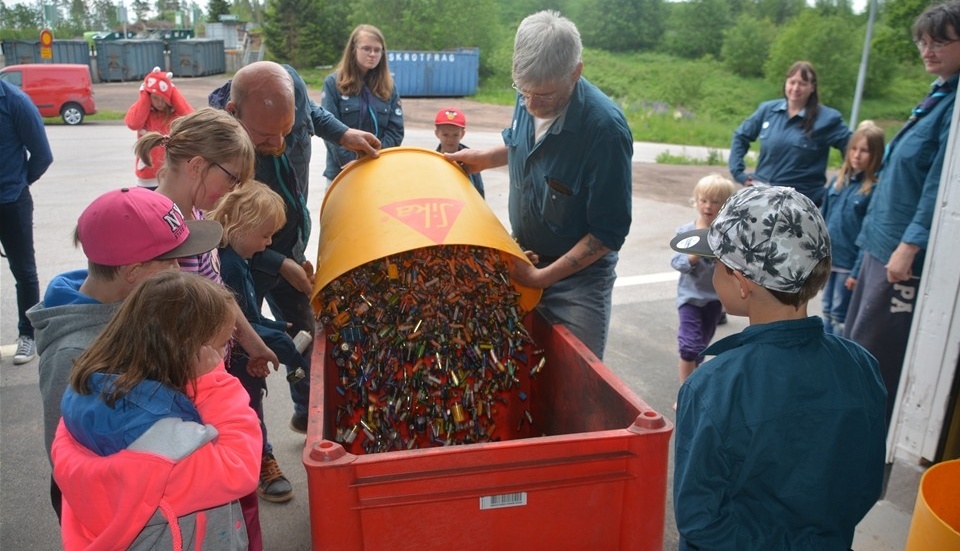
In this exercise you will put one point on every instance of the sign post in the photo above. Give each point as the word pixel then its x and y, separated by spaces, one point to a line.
pixel 46 44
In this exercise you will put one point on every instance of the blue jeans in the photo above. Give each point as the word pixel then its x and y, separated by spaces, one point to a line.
pixel 836 302
pixel 16 236
pixel 583 301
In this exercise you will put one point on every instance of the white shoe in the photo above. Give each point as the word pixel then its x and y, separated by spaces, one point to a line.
pixel 26 350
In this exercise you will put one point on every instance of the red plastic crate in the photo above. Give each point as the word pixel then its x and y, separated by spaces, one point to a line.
pixel 596 480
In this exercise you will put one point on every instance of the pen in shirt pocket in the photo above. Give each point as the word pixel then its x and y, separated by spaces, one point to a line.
pixel 558 186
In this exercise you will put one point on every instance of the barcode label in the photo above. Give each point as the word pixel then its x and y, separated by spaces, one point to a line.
pixel 503 500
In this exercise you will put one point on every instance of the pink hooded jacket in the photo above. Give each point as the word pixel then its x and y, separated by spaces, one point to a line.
pixel 175 487
pixel 141 117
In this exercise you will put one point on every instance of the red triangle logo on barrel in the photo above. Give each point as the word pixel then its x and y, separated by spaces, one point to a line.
pixel 431 216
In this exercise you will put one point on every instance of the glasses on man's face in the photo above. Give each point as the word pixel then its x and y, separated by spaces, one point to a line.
pixel 371 50
pixel 934 46
pixel 527 96
pixel 234 179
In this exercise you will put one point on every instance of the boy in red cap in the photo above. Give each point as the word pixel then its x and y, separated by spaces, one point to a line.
pixel 158 104
pixel 127 236
pixel 451 125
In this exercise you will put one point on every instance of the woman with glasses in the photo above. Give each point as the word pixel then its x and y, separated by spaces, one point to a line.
pixel 894 235
pixel 796 133
pixel 361 94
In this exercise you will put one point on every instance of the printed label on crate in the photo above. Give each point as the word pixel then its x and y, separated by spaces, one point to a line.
pixel 518 499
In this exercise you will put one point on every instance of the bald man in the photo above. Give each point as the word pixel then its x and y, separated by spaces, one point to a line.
pixel 262 99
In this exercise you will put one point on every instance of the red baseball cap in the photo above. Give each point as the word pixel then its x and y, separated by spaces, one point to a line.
pixel 451 115
pixel 131 225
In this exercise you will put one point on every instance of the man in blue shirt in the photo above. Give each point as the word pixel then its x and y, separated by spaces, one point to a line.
pixel 24 157
pixel 569 152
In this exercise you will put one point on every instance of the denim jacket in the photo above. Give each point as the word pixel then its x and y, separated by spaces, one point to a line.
pixel 386 125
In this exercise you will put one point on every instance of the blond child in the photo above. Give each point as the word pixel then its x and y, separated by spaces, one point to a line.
pixel 780 438
pixel 844 207
pixel 451 125
pixel 250 216
pixel 698 306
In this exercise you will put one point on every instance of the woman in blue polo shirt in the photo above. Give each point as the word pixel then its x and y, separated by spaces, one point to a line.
pixel 795 133
pixel 361 94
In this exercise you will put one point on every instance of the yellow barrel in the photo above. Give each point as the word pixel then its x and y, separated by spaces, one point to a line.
pixel 936 516
pixel 406 199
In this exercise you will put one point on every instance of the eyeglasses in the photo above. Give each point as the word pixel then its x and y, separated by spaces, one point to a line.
pixel 370 50
pixel 545 98
pixel 934 46
pixel 234 179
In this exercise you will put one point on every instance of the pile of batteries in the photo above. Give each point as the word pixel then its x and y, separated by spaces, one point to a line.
pixel 428 345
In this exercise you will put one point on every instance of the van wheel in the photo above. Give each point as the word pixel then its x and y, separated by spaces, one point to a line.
pixel 72 114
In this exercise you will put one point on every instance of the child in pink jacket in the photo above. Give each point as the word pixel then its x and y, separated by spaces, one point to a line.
pixel 158 104
pixel 157 442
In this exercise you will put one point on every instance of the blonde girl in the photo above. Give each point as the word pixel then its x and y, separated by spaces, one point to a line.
pixel 361 94
pixel 698 305
pixel 154 426
pixel 208 154
pixel 250 216
pixel 844 207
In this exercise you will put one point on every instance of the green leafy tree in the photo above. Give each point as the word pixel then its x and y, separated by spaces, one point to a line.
pixel 216 8
pixel 778 11
pixel 621 25
pixel 513 11
pixel 433 24
pixel 22 20
pixel 141 8
pixel 79 15
pixel 894 39
pixel 695 28
pixel 828 43
pixel 305 33
pixel 250 10
pixel 834 7
pixel 104 15
pixel 746 45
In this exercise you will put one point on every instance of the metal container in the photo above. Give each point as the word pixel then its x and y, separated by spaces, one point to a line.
pixel 21 52
pixel 71 51
pixel 125 60
pixel 197 57
pixel 442 74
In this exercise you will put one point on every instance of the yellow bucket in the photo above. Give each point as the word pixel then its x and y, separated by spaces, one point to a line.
pixel 936 516
pixel 406 199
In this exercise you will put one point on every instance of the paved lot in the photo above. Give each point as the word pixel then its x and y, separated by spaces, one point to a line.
pixel 97 157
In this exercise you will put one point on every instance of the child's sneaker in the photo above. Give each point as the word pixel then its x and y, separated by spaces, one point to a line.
pixel 273 487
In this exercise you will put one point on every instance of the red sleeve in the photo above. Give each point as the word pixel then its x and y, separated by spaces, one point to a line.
pixel 136 117
pixel 180 104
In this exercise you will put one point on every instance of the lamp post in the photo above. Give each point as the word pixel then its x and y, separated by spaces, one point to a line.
pixel 862 74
